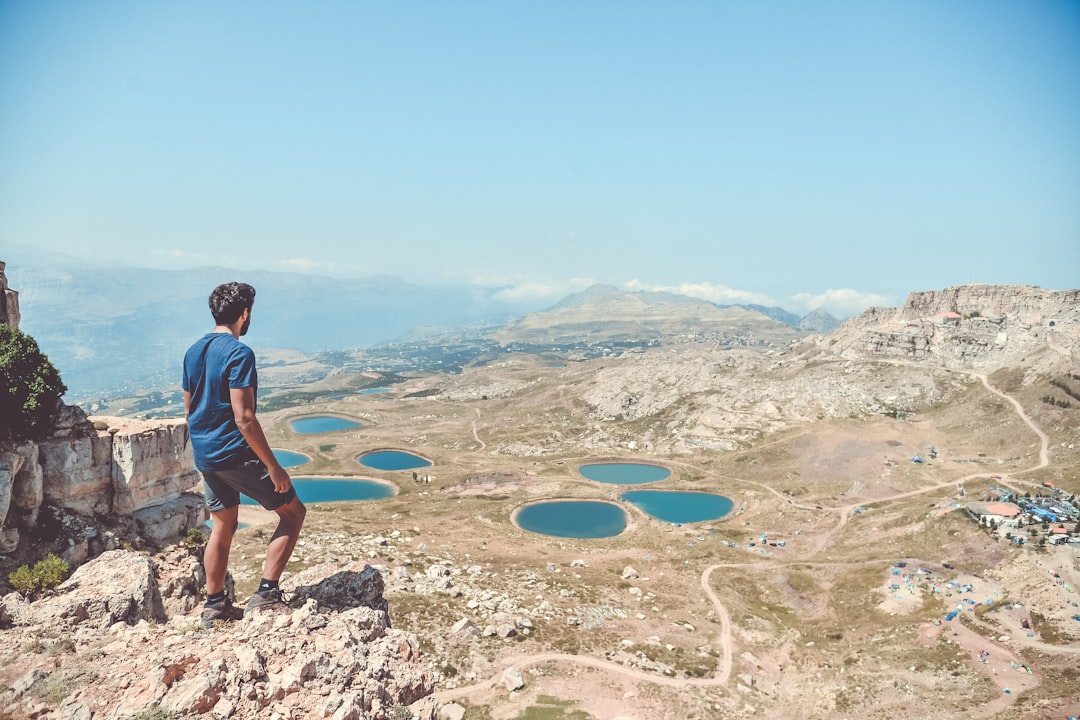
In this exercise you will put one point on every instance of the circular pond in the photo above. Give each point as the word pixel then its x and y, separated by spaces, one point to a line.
pixel 392 460
pixel 315 490
pixel 289 459
pixel 322 423
pixel 679 507
pixel 572 518
pixel 624 473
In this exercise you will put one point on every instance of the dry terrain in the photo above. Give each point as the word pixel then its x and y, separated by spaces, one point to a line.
pixel 814 450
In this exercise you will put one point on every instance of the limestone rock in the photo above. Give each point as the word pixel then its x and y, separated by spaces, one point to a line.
pixel 453 711
pixel 151 463
pixel 512 679
pixel 117 586
pixel 338 660
pixel 9 301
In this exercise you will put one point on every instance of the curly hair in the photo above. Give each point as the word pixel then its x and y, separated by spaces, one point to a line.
pixel 229 301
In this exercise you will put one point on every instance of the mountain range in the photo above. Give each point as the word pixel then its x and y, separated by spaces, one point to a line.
pixel 115 329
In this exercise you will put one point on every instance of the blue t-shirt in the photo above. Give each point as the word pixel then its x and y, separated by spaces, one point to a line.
pixel 215 364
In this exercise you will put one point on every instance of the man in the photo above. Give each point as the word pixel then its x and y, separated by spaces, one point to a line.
pixel 232 453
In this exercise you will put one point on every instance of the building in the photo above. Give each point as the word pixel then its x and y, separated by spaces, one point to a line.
pixel 1003 513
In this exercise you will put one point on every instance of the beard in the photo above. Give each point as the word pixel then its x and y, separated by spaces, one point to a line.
pixel 245 326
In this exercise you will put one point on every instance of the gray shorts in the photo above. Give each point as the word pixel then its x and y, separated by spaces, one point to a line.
pixel 250 477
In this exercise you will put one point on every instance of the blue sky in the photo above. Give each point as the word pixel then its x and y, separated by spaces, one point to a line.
pixel 835 154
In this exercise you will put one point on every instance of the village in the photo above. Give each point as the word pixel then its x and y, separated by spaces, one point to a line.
pixel 1043 518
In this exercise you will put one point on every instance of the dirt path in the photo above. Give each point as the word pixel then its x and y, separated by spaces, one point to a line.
pixel 972 642
pixel 476 435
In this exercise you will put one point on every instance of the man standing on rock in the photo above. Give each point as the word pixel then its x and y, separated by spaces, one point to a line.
pixel 232 453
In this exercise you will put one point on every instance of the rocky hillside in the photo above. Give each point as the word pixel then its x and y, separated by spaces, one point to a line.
pixel 979 327
pixel 121 636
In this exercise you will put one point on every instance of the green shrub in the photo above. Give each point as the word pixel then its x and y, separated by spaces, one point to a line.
pixel 154 714
pixel 45 575
pixel 30 387
pixel 195 538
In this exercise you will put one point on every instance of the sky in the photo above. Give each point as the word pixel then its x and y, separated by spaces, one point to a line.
pixel 829 154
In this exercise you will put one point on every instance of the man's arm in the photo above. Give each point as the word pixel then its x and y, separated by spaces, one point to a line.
pixel 187 403
pixel 243 406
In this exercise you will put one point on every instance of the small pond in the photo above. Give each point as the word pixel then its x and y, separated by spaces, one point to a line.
pixel 679 507
pixel 572 518
pixel 316 490
pixel 374 391
pixel 392 460
pixel 624 473
pixel 322 423
pixel 289 459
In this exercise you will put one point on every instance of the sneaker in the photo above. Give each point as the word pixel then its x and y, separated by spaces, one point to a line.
pixel 275 600
pixel 223 612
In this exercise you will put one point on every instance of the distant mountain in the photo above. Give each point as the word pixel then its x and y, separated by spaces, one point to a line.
pixel 116 327
pixel 772 311
pixel 604 313
pixel 599 294
pixel 819 321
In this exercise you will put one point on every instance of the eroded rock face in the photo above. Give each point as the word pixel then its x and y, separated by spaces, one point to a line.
pixel 138 473
pixel 976 327
pixel 333 654
pixel 9 301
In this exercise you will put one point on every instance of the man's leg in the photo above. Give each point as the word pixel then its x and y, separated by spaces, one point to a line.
pixel 216 555
pixel 290 520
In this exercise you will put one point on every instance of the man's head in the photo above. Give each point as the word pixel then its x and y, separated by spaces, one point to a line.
pixel 229 301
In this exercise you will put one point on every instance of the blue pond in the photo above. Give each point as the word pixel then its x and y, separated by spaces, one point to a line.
pixel 392 460
pixel 573 518
pixel 624 473
pixel 314 490
pixel 679 507
pixel 374 391
pixel 322 423
pixel 289 459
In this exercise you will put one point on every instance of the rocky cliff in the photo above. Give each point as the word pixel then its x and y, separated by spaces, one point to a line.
pixel 9 301
pixel 98 478
pixel 979 327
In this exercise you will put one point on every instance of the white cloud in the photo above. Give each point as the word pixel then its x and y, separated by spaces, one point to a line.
pixel 842 303
pixel 533 290
pixel 720 294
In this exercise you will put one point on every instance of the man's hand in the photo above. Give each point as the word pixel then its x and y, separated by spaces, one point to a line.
pixel 280 477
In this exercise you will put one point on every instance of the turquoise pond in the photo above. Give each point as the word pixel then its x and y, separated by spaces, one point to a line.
pixel 572 518
pixel 392 460
pixel 374 391
pixel 289 459
pixel 679 507
pixel 624 473
pixel 322 423
pixel 316 490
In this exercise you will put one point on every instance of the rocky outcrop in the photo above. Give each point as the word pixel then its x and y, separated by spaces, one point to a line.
pixel 1023 303
pixel 113 651
pixel 130 475
pixel 9 301
pixel 977 327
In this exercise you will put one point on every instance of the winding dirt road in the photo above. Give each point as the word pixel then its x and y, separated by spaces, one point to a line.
pixel 723 634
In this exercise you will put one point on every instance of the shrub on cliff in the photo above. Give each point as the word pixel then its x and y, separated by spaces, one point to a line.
pixel 30 387
pixel 45 575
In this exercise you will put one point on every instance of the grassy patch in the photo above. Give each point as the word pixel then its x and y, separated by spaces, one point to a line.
pixel 551 708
